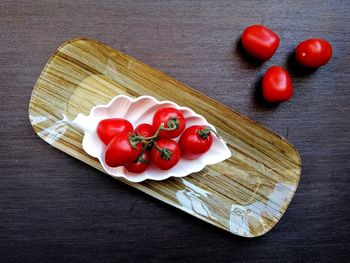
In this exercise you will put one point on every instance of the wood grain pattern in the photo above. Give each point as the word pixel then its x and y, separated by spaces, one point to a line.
pixel 246 195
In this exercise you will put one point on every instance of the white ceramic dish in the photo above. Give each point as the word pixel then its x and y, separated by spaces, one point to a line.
pixel 141 110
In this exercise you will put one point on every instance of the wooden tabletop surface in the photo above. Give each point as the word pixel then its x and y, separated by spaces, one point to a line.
pixel 55 208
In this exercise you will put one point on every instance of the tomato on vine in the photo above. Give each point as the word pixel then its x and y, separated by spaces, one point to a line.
pixel 172 120
pixel 195 140
pixel 140 164
pixel 165 154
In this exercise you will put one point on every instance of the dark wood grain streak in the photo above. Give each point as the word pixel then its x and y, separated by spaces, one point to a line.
pixel 63 210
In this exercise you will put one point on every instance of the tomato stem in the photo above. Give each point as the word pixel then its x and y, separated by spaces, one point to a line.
pixel 161 128
pixel 140 159
pixel 165 153
pixel 145 146
pixel 204 133
pixel 216 134
pixel 173 123
pixel 134 140
pixel 157 147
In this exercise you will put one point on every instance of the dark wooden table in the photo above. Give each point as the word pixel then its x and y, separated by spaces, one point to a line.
pixel 55 208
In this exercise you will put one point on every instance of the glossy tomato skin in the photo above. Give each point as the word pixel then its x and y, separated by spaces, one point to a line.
pixel 144 130
pixel 194 141
pixel 120 152
pixel 277 85
pixel 313 53
pixel 107 129
pixel 165 116
pixel 260 42
pixel 139 165
pixel 162 161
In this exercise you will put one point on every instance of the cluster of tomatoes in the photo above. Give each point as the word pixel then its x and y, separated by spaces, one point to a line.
pixel 261 43
pixel 135 149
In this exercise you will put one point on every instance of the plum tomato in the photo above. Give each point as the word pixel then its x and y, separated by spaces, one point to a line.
pixel 165 154
pixel 107 129
pixel 313 53
pixel 277 85
pixel 123 149
pixel 260 42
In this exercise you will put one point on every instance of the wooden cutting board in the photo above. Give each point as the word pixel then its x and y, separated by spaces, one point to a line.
pixel 246 194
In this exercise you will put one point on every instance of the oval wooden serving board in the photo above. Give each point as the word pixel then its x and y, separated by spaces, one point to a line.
pixel 246 194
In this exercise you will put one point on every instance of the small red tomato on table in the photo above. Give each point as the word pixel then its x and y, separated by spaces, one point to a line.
pixel 173 120
pixel 260 42
pixel 195 140
pixel 141 163
pixel 313 53
pixel 123 149
pixel 276 85
pixel 107 129
pixel 165 154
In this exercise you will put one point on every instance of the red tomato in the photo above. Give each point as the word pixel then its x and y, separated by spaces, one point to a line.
pixel 107 129
pixel 168 154
pixel 170 117
pixel 139 165
pixel 313 53
pixel 123 149
pixel 277 85
pixel 260 42
pixel 144 130
pixel 195 141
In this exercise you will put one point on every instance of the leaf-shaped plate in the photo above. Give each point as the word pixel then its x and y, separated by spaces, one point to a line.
pixel 137 111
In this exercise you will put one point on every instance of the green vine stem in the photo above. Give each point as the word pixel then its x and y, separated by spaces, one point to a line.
pixel 165 153
pixel 161 128
pixel 204 133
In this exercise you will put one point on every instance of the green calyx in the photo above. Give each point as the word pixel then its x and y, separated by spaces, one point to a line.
pixel 204 133
pixel 134 140
pixel 173 123
pixel 165 154
pixel 140 159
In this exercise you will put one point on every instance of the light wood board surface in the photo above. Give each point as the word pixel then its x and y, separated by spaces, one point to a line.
pixel 246 194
